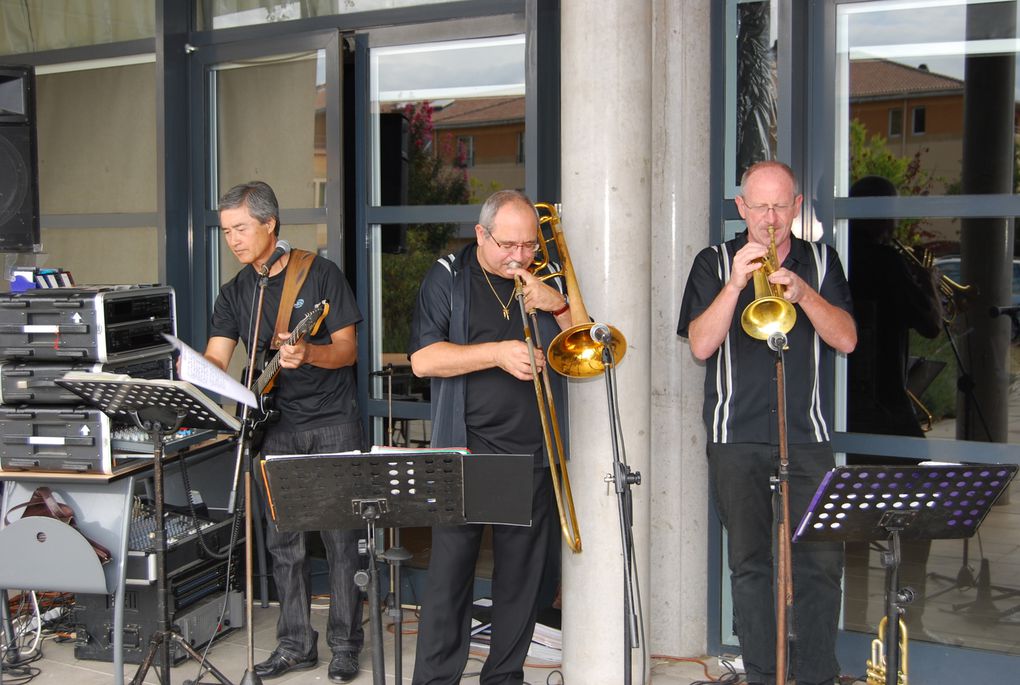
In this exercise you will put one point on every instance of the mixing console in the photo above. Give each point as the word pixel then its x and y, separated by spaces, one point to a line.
pixel 133 439
pixel 142 537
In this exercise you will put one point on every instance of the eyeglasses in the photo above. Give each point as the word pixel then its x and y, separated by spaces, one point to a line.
pixel 764 209
pixel 510 247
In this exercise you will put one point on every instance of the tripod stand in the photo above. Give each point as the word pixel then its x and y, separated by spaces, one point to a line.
pixel 894 503
pixel 623 478
pixel 395 555
pixel 158 407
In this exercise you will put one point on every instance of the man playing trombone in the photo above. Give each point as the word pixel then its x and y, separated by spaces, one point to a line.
pixel 467 335
pixel 740 414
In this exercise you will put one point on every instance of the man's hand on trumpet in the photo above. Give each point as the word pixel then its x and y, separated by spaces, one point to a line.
pixel 537 294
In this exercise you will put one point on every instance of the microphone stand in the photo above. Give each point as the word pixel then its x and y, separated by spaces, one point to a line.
pixel 244 460
pixel 623 478
pixel 395 555
pixel 781 488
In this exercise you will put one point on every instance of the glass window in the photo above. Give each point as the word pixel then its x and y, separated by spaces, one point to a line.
pixel 895 122
pixel 426 98
pixel 270 117
pixel 87 253
pixel 401 254
pixel 752 89
pixel 917 114
pixel 36 25
pixel 97 139
pixel 933 363
pixel 221 14
pixel 933 60
pixel 465 151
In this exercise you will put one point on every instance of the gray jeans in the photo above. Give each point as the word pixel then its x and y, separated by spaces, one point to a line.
pixel 291 567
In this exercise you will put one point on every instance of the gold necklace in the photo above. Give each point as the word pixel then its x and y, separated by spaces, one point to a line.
pixel 506 307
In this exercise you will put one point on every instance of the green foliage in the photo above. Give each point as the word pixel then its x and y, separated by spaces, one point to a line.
pixel 431 181
pixel 871 156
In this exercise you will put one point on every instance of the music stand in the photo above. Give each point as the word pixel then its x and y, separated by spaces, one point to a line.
pixel 159 407
pixel 433 487
pixel 923 502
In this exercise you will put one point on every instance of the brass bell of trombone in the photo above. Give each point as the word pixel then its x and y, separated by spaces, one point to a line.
pixel 770 312
pixel 574 352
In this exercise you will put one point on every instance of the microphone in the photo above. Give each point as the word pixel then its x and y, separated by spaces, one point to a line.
pixel 601 334
pixel 777 341
pixel 282 248
pixel 999 311
pixel 384 371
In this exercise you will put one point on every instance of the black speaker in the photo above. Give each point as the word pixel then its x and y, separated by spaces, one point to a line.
pixel 393 156
pixel 19 179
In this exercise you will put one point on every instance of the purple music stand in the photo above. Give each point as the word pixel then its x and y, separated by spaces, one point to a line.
pixel 922 502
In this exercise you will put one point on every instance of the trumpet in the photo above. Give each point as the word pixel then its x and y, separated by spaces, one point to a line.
pixel 876 665
pixel 769 313
pixel 572 353
pixel 949 290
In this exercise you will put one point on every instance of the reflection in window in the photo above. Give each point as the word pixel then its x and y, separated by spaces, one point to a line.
pixel 221 14
pixel 928 60
pixel 427 101
pixel 896 353
pixel 402 254
pixel 895 122
pixel 918 118
pixel 756 87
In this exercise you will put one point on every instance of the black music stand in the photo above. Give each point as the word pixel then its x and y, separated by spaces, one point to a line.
pixel 158 407
pixel 923 502
pixel 395 489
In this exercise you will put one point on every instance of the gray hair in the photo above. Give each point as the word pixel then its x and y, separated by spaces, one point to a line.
pixel 496 201
pixel 257 197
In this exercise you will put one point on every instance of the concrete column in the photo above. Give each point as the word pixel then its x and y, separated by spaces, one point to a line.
pixel 677 478
pixel 635 160
pixel 606 100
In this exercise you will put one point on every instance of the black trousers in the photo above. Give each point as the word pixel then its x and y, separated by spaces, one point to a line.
pixel 519 558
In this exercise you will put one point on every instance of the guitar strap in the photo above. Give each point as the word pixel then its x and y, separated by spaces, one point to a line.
pixel 299 264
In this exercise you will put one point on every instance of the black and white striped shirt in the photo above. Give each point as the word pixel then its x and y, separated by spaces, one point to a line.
pixel 740 388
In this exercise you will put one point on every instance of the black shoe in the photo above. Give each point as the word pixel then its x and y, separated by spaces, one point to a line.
pixel 343 667
pixel 278 663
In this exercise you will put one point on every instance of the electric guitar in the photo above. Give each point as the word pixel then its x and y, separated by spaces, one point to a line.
pixel 263 385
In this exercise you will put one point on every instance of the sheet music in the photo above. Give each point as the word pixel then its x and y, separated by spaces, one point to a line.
pixel 198 370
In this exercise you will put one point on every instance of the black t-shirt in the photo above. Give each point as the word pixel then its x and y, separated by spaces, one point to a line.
pixel 307 397
pixel 501 411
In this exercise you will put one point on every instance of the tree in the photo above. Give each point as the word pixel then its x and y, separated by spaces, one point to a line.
pixel 871 156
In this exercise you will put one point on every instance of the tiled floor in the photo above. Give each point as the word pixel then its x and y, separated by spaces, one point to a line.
pixel 229 655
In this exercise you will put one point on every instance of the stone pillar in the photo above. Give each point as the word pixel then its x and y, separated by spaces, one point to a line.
pixel 606 99
pixel 635 172
pixel 677 478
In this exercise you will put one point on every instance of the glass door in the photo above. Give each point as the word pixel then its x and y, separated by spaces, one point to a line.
pixel 268 110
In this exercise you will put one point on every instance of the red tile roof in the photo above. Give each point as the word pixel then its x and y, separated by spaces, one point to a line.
pixel 879 78
pixel 480 112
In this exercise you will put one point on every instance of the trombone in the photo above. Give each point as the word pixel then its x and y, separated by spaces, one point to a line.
pixel 572 353
pixel 950 291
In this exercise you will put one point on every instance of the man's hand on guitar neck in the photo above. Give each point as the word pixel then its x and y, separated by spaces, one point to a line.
pixel 293 356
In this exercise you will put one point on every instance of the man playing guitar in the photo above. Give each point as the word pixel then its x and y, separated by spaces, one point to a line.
pixel 316 399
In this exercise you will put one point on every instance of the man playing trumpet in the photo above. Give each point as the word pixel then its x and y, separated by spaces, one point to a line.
pixel 740 413
pixel 467 335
